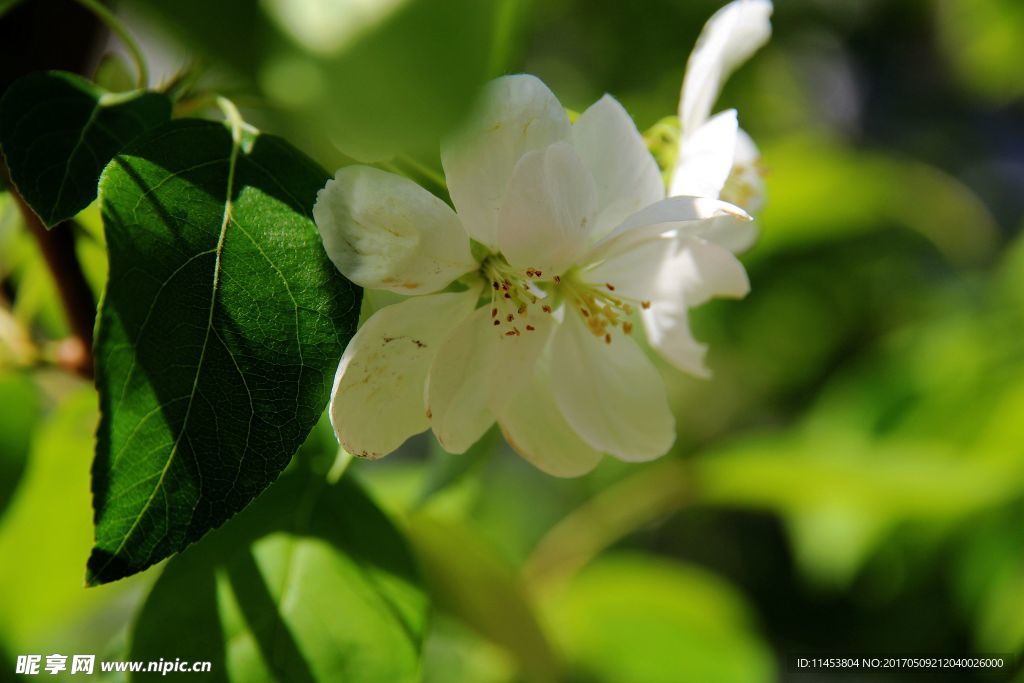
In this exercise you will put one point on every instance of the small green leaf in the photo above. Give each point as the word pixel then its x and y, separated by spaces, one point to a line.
pixel 58 131
pixel 22 406
pixel 49 515
pixel 471 582
pixel 312 583
pixel 219 334
pixel 631 617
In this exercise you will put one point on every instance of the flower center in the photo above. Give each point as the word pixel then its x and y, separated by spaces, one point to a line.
pixel 518 297
pixel 601 309
pixel 515 295
pixel 743 186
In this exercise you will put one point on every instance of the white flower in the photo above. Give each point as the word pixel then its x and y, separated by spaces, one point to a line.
pixel 716 158
pixel 576 245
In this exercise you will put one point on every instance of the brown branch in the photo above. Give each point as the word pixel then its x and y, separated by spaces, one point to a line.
pixel 58 249
pixel 30 41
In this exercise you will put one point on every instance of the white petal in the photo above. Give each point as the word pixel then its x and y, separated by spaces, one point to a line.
pixel 517 114
pixel 377 402
pixel 695 272
pixel 732 233
pixel 548 213
pixel 459 384
pixel 706 158
pixel 680 210
pixel 384 231
pixel 534 427
pixel 747 152
pixel 673 273
pixel 667 327
pixel 701 270
pixel 687 215
pixel 672 266
pixel 635 272
pixel 516 356
pixel 625 173
pixel 729 38
pixel 745 185
pixel 610 394
pixel 478 369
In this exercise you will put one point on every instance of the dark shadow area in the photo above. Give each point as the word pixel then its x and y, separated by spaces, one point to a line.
pixel 70 45
pixel 277 645
pixel 185 624
pixel 300 506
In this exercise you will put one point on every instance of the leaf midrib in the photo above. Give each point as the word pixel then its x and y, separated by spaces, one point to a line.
pixel 236 143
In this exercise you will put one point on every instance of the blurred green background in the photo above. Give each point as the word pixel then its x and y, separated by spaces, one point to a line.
pixel 850 481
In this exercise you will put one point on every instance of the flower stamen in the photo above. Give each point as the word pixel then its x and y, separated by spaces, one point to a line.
pixel 518 294
pixel 601 310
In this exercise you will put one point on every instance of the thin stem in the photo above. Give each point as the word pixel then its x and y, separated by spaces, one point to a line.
pixel 233 116
pixel 340 465
pixel 115 25
pixel 606 518
pixel 506 18
pixel 58 247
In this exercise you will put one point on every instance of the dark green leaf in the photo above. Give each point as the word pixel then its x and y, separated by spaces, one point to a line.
pixel 312 583
pixel 219 334
pixel 58 131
